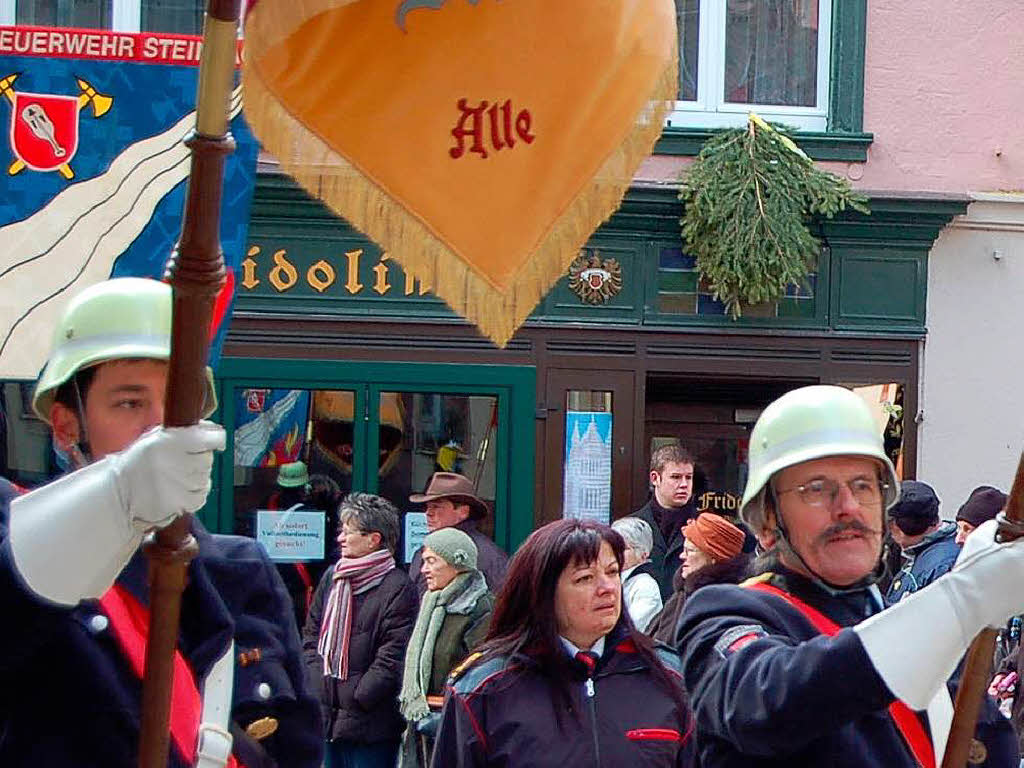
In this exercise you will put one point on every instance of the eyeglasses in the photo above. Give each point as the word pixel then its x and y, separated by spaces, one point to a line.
pixel 350 532
pixel 823 492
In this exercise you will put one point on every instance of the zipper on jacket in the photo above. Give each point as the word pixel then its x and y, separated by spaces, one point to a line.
pixel 592 706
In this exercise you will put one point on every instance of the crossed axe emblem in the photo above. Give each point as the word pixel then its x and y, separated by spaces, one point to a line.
pixel 35 117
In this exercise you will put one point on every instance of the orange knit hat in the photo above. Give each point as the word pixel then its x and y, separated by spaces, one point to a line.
pixel 715 535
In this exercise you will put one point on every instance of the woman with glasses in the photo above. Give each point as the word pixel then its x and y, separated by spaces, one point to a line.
pixel 355 637
pixel 712 554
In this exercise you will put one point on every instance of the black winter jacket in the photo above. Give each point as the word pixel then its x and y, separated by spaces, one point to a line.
pixel 731 571
pixel 1011 662
pixel 491 560
pixel 501 713
pixel 364 707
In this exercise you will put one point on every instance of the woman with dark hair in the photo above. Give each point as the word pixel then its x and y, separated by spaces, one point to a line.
pixel 564 678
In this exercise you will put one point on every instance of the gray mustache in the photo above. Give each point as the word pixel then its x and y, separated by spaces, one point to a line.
pixel 853 525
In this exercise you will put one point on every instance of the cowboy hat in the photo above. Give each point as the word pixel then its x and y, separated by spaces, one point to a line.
pixel 457 488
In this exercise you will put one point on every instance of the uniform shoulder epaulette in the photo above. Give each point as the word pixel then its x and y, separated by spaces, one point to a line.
pixel 759 579
pixel 457 671
pixel 468 675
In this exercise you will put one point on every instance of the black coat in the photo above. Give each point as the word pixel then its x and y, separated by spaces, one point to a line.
pixel 364 707
pixel 665 554
pixel 732 571
pixel 68 696
pixel 768 690
pixel 490 560
pixel 501 713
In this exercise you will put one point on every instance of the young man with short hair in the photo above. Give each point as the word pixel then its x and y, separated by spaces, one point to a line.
pixel 670 507
pixel 73 580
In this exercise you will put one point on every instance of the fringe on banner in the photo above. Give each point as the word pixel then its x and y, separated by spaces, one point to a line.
pixel 328 176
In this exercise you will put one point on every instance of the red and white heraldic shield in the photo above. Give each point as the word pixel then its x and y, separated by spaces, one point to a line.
pixel 44 129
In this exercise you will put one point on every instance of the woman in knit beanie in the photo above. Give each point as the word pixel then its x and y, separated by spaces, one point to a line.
pixel 713 554
pixel 453 619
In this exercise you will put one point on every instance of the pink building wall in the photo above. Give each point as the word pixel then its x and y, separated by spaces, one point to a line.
pixel 943 96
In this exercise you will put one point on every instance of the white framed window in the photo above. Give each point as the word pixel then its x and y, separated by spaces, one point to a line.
pixel 181 16
pixel 767 56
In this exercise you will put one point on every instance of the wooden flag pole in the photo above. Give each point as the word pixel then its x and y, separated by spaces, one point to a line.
pixel 196 274
pixel 978 667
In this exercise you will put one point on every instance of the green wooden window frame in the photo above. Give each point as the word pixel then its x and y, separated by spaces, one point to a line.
pixel 845 139
pixel 654 316
pixel 514 386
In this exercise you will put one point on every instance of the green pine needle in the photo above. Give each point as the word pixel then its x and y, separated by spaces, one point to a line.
pixel 748 197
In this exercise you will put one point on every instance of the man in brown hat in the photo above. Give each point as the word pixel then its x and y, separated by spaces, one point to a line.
pixel 451 502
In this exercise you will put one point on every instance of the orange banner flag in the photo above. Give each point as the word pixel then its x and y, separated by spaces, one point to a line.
pixel 479 142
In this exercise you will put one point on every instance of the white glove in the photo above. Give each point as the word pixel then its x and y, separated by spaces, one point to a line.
pixel 166 472
pixel 982 590
pixel 70 539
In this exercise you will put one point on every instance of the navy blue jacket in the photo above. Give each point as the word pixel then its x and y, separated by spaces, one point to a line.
pixel 68 696
pixel 503 712
pixel 924 562
pixel 768 690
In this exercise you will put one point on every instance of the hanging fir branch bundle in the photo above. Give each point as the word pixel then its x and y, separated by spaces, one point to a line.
pixel 748 198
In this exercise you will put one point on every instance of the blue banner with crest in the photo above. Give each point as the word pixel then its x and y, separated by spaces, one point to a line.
pixel 93 173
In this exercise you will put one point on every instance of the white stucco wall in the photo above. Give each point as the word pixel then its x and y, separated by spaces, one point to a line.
pixel 972 399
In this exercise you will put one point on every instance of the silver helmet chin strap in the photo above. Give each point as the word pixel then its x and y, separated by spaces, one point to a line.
pixel 832 589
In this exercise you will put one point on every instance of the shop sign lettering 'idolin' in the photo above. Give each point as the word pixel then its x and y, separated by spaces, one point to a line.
pixel 345 275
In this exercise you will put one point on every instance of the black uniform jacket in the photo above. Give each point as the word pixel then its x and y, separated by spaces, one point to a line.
pixel 501 713
pixel 68 696
pixel 768 690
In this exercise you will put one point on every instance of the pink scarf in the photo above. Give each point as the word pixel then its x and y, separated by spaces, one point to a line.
pixel 352 576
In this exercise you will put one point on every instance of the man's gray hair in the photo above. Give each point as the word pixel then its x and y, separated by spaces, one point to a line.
pixel 371 514
pixel 636 533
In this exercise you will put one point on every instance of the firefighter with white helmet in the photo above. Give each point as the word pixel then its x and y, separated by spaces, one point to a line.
pixel 805 425
pixel 73 584
pixel 799 665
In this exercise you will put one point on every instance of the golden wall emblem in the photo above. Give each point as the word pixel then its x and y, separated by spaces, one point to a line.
pixel 593 279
